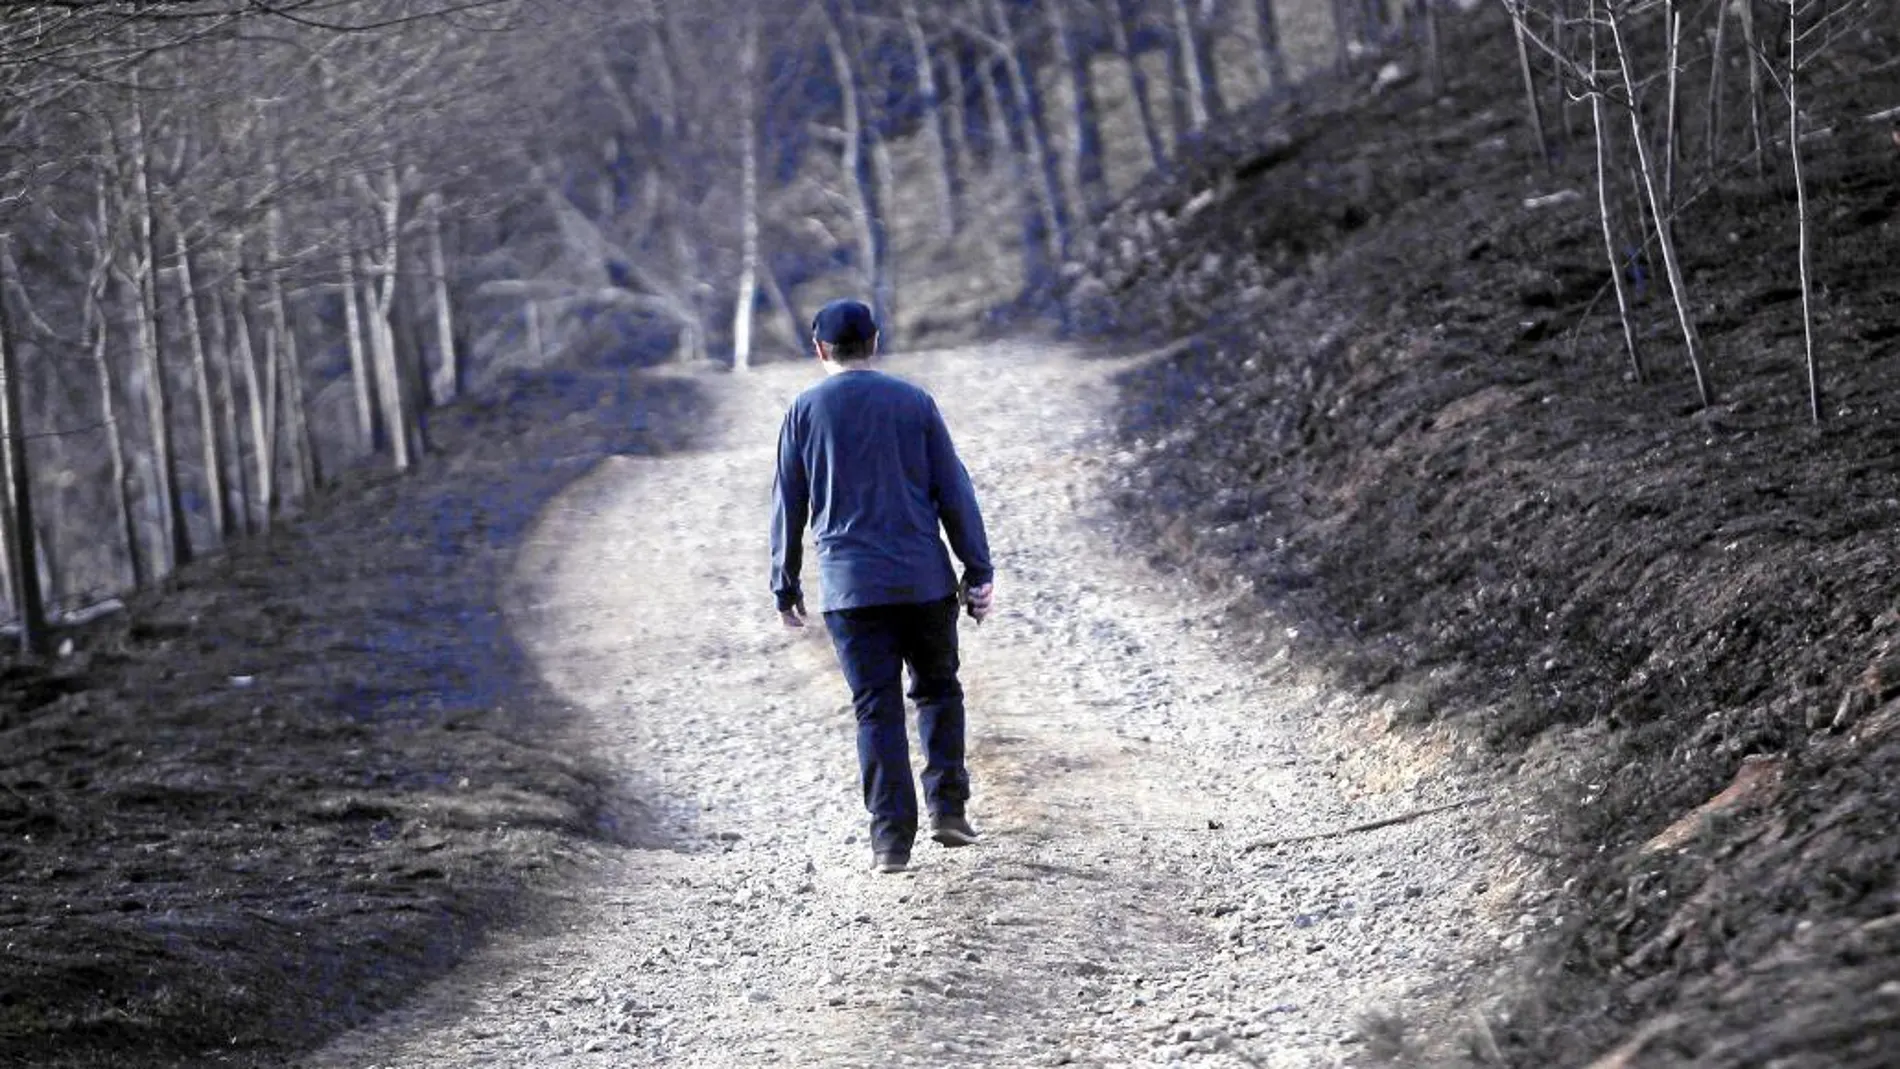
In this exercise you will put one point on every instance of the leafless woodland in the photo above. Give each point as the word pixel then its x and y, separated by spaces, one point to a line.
pixel 247 247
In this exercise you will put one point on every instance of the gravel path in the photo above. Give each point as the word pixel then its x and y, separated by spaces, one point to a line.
pixel 1125 753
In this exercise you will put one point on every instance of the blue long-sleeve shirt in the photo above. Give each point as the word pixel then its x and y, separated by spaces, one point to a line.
pixel 866 458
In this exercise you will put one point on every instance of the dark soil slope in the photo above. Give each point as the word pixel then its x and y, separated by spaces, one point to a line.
pixel 274 797
pixel 1407 425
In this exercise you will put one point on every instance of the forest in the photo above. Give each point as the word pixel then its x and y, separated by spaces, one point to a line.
pixel 250 246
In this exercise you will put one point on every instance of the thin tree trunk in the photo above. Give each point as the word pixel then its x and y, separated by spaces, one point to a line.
pixel 1533 104
pixel 936 143
pixel 956 123
pixel 885 176
pixel 234 502
pixel 124 500
pixel 1672 17
pixel 660 62
pixel 1718 56
pixel 748 296
pixel 1190 87
pixel 23 558
pixel 383 355
pixel 1272 57
pixel 788 316
pixel 258 404
pixel 201 381
pixel 158 392
pixel 1137 81
pixel 273 418
pixel 860 166
pixel 1665 238
pixel 410 359
pixel 99 340
pixel 1801 211
pixel 1202 27
pixel 450 374
pixel 1033 146
pixel 537 345
pixel 382 305
pixel 1603 206
pixel 1434 53
pixel 1757 109
pixel 996 118
pixel 289 370
pixel 1085 128
pixel 1560 23
pixel 46 546
pixel 362 388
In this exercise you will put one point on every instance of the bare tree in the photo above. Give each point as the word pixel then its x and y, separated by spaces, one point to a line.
pixel 1534 107
pixel 1665 239
pixel 1594 86
pixel 21 533
pixel 748 296
pixel 1118 28
pixel 932 129
pixel 1084 161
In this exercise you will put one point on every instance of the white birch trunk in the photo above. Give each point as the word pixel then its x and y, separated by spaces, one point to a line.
pixel 289 368
pixel 171 508
pixel 236 501
pixel 382 329
pixel 98 340
pixel 361 388
pixel 201 379
pixel 22 558
pixel 1190 61
pixel 263 489
pixel 748 196
pixel 448 374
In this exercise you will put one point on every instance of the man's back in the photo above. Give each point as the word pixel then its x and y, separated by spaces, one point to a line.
pixel 868 457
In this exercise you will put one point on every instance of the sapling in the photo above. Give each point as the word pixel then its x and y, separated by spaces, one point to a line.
pixel 1665 240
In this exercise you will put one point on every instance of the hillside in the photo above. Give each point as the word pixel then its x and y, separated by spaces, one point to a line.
pixel 1406 434
pixel 274 796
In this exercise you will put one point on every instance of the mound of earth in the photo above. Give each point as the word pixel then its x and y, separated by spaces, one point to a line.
pixel 271 798
pixel 1406 426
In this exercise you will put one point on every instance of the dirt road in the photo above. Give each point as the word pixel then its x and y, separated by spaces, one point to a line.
pixel 1125 755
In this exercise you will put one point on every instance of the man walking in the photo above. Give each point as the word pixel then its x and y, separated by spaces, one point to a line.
pixel 866 458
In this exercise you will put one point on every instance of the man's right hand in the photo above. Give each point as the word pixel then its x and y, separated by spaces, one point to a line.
pixel 793 617
pixel 979 601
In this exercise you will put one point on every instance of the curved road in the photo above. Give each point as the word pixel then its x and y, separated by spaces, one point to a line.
pixel 1125 753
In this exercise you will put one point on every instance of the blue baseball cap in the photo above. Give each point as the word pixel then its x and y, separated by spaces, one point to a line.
pixel 844 322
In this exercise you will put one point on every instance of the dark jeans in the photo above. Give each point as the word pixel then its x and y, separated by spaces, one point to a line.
pixel 874 644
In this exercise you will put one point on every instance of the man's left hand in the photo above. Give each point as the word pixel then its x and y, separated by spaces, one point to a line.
pixel 793 617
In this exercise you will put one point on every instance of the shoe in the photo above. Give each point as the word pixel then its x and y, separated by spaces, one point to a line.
pixel 890 861
pixel 952 829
